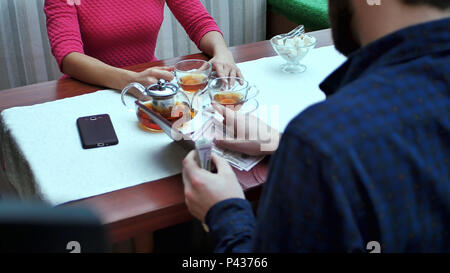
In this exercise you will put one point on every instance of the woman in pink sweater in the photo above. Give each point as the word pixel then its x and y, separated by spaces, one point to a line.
pixel 92 39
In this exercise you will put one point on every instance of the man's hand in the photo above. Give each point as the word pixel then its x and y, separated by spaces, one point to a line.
pixel 203 189
pixel 252 136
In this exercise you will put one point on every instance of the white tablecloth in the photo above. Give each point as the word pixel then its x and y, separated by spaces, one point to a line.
pixel 283 96
pixel 43 154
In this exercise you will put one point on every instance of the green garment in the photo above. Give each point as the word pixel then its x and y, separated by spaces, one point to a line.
pixel 311 13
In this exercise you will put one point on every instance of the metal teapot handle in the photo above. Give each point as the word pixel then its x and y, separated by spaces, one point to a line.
pixel 136 85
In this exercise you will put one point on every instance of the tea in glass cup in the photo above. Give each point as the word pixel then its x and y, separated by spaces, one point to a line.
pixel 232 92
pixel 229 99
pixel 172 114
pixel 192 75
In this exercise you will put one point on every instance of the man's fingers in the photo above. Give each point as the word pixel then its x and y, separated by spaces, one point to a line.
pixel 186 181
pixel 190 166
pixel 228 113
pixel 193 172
pixel 242 146
pixel 219 108
pixel 224 132
pixel 223 167
pixel 230 118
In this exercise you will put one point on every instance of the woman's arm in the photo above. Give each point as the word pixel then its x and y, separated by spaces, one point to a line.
pixel 93 71
pixel 204 32
pixel 214 45
pixel 67 46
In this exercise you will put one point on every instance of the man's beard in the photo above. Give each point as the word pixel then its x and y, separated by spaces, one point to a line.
pixel 341 15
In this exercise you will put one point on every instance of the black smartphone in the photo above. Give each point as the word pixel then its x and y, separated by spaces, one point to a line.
pixel 96 131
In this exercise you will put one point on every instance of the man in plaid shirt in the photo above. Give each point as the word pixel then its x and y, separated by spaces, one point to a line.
pixel 371 163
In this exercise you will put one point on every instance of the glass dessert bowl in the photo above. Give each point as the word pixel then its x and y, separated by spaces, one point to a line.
pixel 293 49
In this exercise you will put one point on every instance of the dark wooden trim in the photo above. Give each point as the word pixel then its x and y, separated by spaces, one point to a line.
pixel 278 24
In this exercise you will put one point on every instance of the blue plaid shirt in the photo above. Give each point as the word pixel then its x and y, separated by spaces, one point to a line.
pixel 371 163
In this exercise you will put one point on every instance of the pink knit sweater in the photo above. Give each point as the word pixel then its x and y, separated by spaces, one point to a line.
pixel 119 32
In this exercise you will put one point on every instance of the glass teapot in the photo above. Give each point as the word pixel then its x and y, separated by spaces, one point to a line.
pixel 164 98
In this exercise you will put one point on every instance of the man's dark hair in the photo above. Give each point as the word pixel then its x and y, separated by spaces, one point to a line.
pixel 442 4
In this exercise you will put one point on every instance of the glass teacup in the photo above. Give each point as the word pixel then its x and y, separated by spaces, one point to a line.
pixel 192 75
pixel 234 93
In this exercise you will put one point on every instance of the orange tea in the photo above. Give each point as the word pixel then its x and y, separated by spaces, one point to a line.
pixel 193 82
pixel 229 99
pixel 145 122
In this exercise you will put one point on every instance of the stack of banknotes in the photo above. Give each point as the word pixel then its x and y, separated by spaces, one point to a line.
pixel 207 125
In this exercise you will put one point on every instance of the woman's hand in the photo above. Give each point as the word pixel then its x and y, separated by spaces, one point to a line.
pixel 222 60
pixel 147 77
pixel 223 63
pixel 153 75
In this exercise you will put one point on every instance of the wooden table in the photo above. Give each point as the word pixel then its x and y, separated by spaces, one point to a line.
pixel 150 206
